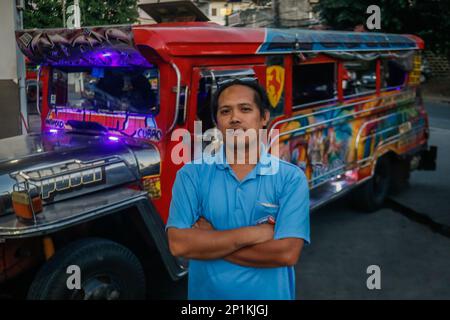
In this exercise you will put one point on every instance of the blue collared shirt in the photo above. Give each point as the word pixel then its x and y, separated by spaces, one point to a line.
pixel 273 188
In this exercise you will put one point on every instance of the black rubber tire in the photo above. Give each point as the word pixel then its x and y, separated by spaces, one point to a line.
pixel 400 175
pixel 97 258
pixel 370 196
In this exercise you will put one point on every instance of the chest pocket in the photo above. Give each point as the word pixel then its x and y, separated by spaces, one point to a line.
pixel 263 210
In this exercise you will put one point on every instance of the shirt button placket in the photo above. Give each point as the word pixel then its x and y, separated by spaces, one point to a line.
pixel 240 197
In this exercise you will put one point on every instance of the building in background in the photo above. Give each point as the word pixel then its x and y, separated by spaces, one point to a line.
pixel 276 13
pixel 252 13
pixel 219 11
pixel 10 118
pixel 216 10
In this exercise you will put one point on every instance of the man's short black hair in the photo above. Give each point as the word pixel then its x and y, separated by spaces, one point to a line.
pixel 260 97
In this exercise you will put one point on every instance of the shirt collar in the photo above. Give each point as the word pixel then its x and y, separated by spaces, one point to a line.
pixel 267 164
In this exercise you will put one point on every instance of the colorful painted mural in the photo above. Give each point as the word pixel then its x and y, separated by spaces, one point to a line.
pixel 136 126
pixel 326 142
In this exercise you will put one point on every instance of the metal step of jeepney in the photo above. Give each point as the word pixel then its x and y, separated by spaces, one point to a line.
pixel 332 188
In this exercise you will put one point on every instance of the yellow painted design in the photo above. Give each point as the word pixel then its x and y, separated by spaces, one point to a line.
pixel 152 184
pixel 274 84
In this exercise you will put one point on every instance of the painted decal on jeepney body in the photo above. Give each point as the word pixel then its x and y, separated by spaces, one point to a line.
pixel 139 126
pixel 152 184
pixel 345 136
pixel 275 81
pixel 274 84
pixel 79 175
pixel 414 75
pixel 111 46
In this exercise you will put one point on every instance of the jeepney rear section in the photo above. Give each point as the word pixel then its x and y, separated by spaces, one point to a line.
pixel 51 182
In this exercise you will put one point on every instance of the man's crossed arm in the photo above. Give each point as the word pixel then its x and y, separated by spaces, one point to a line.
pixel 248 246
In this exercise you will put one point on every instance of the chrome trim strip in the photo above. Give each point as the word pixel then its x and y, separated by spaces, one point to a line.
pixel 388 141
pixel 328 173
pixel 177 71
pixel 355 95
pixel 54 226
pixel 38 89
pixel 275 137
pixel 186 94
pixel 394 139
pixel 299 106
pixel 392 88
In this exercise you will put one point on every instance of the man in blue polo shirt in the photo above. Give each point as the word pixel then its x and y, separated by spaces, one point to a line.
pixel 242 225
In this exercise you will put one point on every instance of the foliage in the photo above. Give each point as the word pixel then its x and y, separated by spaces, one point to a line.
pixel 425 18
pixel 49 13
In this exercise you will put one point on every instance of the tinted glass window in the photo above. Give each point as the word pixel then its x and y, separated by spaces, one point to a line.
pixel 359 77
pixel 393 72
pixel 134 90
pixel 313 82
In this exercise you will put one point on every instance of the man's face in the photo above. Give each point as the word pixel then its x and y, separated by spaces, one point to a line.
pixel 237 110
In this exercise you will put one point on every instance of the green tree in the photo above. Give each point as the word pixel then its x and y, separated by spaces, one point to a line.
pixel 49 13
pixel 425 18
pixel 42 14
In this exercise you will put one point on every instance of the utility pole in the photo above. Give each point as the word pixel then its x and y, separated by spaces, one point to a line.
pixel 77 13
pixel 276 13
pixel 21 71
pixel 74 16
pixel 64 12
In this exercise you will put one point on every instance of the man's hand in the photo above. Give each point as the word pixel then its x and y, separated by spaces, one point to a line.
pixel 203 224
pixel 266 229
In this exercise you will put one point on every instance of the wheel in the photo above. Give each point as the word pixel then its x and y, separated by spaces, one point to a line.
pixel 108 270
pixel 370 195
pixel 400 174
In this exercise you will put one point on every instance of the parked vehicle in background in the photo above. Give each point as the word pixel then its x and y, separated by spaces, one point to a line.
pixel 425 70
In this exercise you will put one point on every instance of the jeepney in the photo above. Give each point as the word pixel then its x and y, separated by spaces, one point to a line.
pixel 92 191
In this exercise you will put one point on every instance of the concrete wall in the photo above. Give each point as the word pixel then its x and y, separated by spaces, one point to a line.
pixel 8 66
pixel 221 8
pixel 9 89
pixel 439 64
pixel 9 109
pixel 292 13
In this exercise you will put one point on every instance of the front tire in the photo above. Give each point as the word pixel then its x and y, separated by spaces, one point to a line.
pixel 400 175
pixel 108 270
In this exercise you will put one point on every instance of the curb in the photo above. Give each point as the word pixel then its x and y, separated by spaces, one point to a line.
pixel 437 99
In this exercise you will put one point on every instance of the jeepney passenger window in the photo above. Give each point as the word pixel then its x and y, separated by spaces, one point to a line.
pixel 393 73
pixel 313 83
pixel 359 77
pixel 204 103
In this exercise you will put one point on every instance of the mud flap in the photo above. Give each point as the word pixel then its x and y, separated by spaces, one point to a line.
pixel 428 159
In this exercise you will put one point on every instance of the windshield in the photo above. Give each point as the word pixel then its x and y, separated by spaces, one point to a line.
pixel 133 90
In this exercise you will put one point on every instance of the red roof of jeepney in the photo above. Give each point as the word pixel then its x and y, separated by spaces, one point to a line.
pixel 206 38
pixel 187 39
pixel 116 45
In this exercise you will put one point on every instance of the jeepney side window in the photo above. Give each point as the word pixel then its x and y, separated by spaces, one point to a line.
pixel 313 83
pixel 204 103
pixel 360 77
pixel 393 73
